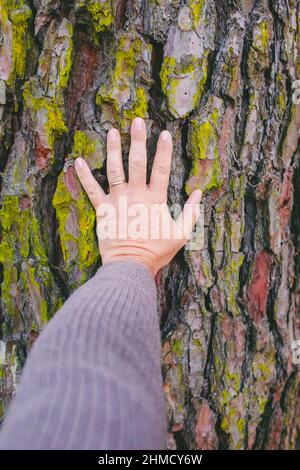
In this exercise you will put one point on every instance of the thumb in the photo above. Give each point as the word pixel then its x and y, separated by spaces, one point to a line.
pixel 190 214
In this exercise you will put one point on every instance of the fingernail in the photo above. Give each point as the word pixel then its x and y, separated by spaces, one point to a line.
pixel 165 135
pixel 113 135
pixel 78 163
pixel 138 123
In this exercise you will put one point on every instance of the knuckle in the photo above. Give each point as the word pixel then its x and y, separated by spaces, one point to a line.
pixel 137 162
pixel 92 189
pixel 114 174
pixel 162 169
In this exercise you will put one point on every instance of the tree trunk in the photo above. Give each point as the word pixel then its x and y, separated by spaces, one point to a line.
pixel 219 75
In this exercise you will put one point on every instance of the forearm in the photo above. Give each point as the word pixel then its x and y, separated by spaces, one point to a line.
pixel 93 378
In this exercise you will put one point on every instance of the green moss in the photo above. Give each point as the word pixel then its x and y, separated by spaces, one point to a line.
pixel 19 14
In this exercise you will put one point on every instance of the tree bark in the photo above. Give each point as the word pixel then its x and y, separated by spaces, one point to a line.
pixel 218 74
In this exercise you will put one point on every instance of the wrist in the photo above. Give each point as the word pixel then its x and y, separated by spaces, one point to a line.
pixel 133 259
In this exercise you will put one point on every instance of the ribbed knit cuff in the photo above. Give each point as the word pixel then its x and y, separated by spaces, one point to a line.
pixel 130 270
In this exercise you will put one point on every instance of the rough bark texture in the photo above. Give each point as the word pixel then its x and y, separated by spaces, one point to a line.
pixel 218 74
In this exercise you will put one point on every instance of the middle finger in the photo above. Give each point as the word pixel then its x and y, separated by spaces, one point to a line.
pixel 138 154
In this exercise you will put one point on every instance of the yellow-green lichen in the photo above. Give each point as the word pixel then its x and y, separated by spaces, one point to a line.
pixel 203 137
pixel 178 348
pixel 171 75
pixel 101 12
pixel 139 107
pixel 281 95
pixel 198 344
pixel 241 425
pixel 19 14
pixel 83 145
pixel 196 7
pixel 237 185
pixel 14 233
pixel 119 93
pixel 204 147
pixel 20 238
pixel 8 286
pixel 233 380
pixel 231 279
pixel 66 62
pixel 235 426
pixel 167 69
pixel 34 289
pixel 53 109
pixel 76 218
pixel 263 36
pixel 79 248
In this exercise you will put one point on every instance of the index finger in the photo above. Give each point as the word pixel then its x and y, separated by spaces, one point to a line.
pixel 90 185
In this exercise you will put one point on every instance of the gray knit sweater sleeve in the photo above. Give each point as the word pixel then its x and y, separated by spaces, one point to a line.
pixel 93 379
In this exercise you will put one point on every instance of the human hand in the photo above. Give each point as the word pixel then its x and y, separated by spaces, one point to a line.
pixel 133 220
